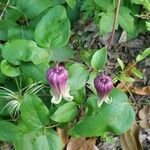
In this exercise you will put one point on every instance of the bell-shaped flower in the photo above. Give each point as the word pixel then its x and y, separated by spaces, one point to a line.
pixel 103 85
pixel 57 78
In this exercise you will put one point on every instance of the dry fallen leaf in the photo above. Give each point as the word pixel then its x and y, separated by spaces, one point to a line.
pixel 144 115
pixel 63 135
pixel 137 90
pixel 130 140
pixel 81 144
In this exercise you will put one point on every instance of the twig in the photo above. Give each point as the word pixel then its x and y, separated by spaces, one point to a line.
pixel 114 25
pixel 1 16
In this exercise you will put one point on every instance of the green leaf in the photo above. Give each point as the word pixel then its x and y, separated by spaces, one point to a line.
pixel 116 117
pixel 121 63
pixel 46 139
pixel 148 25
pixel 145 3
pixel 78 76
pixel 24 50
pixel 8 131
pixel 90 82
pixel 61 54
pixel 32 8
pixel 65 112
pixel 105 5
pixel 53 30
pixel 8 70
pixel 99 59
pixel 35 72
pixel 4 26
pixel 19 32
pixel 106 23
pixel 145 53
pixel 137 73
pixel 71 3
pixel 125 20
pixel 33 112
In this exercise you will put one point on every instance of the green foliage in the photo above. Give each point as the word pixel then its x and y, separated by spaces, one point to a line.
pixel 33 105
pixel 35 36
pixel 65 113
pixel 8 131
pixel 8 70
pixel 55 32
pixel 106 22
pixel 24 50
pixel 78 76
pixel 125 20
pixel 32 8
pixel 99 59
pixel 71 3
pixel 145 53
pixel 62 54
pixel 101 122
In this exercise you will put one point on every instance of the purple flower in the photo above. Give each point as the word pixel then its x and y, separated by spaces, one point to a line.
pixel 57 78
pixel 103 85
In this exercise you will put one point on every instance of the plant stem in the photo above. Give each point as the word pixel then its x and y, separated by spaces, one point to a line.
pixel 1 16
pixel 114 25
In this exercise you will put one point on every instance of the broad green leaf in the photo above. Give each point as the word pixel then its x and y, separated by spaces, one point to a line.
pixel 71 3
pixel 24 50
pixel 53 30
pixel 79 96
pixel 61 54
pixel 8 131
pixel 106 22
pixel 49 141
pixel 20 33
pixel 145 53
pixel 32 8
pixel 8 70
pixel 125 20
pixel 91 104
pixel 46 139
pixel 78 76
pixel 65 112
pixel 35 72
pixel 105 5
pixel 4 26
pixel 137 73
pixel 34 113
pixel 12 14
pixel 99 59
pixel 116 117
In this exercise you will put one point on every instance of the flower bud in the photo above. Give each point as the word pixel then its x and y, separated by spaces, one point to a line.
pixel 57 78
pixel 103 85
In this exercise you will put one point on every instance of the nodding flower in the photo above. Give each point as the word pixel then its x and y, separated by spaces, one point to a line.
pixel 57 78
pixel 103 85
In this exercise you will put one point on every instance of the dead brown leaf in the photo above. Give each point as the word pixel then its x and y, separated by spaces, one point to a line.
pixel 81 144
pixel 137 90
pixel 144 115
pixel 63 135
pixel 130 140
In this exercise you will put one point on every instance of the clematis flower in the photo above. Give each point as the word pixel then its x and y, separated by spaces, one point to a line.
pixel 103 85
pixel 57 78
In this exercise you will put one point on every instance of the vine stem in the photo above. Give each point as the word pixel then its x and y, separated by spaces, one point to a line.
pixel 114 25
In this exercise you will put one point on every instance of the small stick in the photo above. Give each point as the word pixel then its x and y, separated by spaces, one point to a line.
pixel 1 16
pixel 114 25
